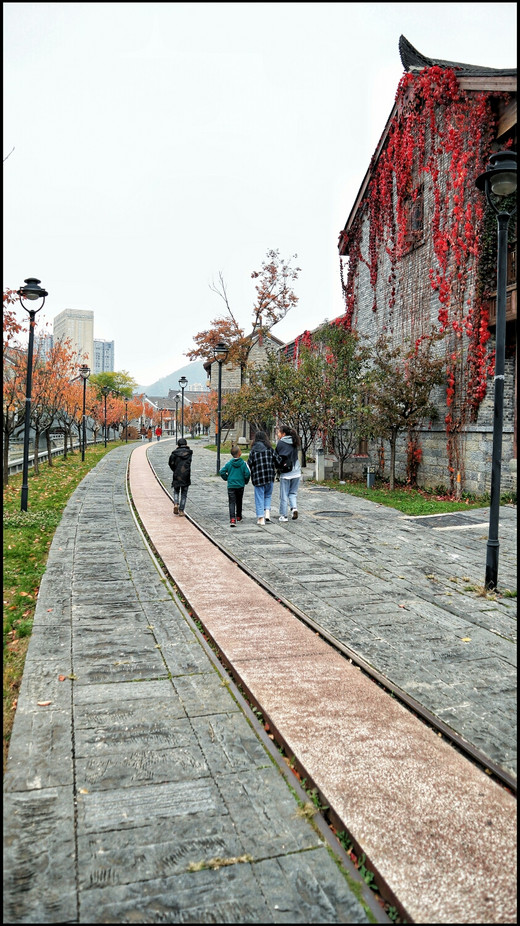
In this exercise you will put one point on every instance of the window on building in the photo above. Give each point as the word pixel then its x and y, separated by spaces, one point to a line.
pixel 415 218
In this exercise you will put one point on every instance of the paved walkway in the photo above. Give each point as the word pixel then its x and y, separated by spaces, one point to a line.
pixel 136 788
pixel 392 588
pixel 145 768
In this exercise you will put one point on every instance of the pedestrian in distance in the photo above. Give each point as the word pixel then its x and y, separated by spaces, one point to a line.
pixel 236 473
pixel 149 434
pixel 180 464
pixel 289 470
pixel 158 432
pixel 262 468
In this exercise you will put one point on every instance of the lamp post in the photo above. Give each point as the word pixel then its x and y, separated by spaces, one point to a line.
pixel 84 372
pixel 105 390
pixel 32 290
pixel 499 179
pixel 220 352
pixel 183 382
pixel 177 400
pixel 126 421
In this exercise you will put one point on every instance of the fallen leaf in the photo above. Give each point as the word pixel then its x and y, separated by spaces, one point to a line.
pixel 44 703
pixel 466 639
pixel 61 678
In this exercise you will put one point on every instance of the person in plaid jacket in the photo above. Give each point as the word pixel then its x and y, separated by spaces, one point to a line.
pixel 261 464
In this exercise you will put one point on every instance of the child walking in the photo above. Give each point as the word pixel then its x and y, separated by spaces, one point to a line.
pixel 180 464
pixel 236 474
pixel 261 464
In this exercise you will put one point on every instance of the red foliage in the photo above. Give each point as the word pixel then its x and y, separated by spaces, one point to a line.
pixel 439 141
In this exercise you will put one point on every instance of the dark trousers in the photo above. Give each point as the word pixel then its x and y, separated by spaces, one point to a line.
pixel 235 497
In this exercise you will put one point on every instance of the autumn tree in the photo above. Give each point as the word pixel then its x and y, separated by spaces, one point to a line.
pixel 346 414
pixel 274 297
pixel 14 363
pixel 403 379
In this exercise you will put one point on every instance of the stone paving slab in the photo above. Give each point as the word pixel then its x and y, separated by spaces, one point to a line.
pixel 382 560
pixel 140 760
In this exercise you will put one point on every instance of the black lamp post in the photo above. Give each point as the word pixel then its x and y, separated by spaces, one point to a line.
pixel 32 290
pixel 105 390
pixel 183 382
pixel 84 372
pixel 177 399
pixel 126 421
pixel 220 352
pixel 499 179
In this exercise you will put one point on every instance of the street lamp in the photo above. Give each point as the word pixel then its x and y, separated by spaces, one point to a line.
pixel 499 179
pixel 183 382
pixel 177 400
pixel 106 390
pixel 126 420
pixel 32 290
pixel 220 352
pixel 84 372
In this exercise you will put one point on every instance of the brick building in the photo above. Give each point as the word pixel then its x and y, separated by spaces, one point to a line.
pixel 416 241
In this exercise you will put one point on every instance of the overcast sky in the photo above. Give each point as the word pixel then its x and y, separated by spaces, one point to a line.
pixel 157 144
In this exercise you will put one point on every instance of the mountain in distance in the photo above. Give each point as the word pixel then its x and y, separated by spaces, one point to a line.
pixel 194 373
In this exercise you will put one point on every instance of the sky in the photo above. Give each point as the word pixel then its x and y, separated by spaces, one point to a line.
pixel 157 145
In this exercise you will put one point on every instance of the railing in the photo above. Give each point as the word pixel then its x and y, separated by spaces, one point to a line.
pixel 16 466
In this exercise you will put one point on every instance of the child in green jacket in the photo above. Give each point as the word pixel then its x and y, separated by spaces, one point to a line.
pixel 236 474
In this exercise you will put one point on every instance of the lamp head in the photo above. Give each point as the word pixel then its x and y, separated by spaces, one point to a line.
pixel 183 382
pixel 220 351
pixel 84 371
pixel 500 177
pixel 32 290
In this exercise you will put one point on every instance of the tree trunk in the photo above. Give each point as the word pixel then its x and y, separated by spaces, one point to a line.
pixel 49 448
pixel 36 467
pixel 6 458
pixel 393 442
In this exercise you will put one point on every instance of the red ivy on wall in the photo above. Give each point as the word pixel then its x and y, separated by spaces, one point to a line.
pixel 437 145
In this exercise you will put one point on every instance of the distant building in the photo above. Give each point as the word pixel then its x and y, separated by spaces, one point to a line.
pixel 103 356
pixel 77 325
pixel 43 346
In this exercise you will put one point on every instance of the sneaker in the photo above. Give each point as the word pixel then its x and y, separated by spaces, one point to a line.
pixel 239 519
pixel 176 509
pixel 232 523
pixel 261 521
pixel 267 515
pixel 283 518
pixel 181 513
pixel 294 514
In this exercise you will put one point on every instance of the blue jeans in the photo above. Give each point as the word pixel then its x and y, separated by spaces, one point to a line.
pixel 288 493
pixel 263 498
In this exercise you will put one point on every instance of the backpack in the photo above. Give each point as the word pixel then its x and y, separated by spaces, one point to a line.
pixel 284 464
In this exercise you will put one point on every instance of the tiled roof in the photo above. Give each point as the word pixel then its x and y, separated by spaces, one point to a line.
pixel 413 60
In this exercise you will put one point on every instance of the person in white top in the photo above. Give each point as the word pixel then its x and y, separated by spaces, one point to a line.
pixel 289 469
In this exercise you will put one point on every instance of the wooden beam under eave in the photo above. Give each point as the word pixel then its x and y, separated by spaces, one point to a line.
pixel 507 84
pixel 507 119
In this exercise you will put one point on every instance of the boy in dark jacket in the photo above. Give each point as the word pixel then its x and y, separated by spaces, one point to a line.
pixel 180 464
pixel 236 474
